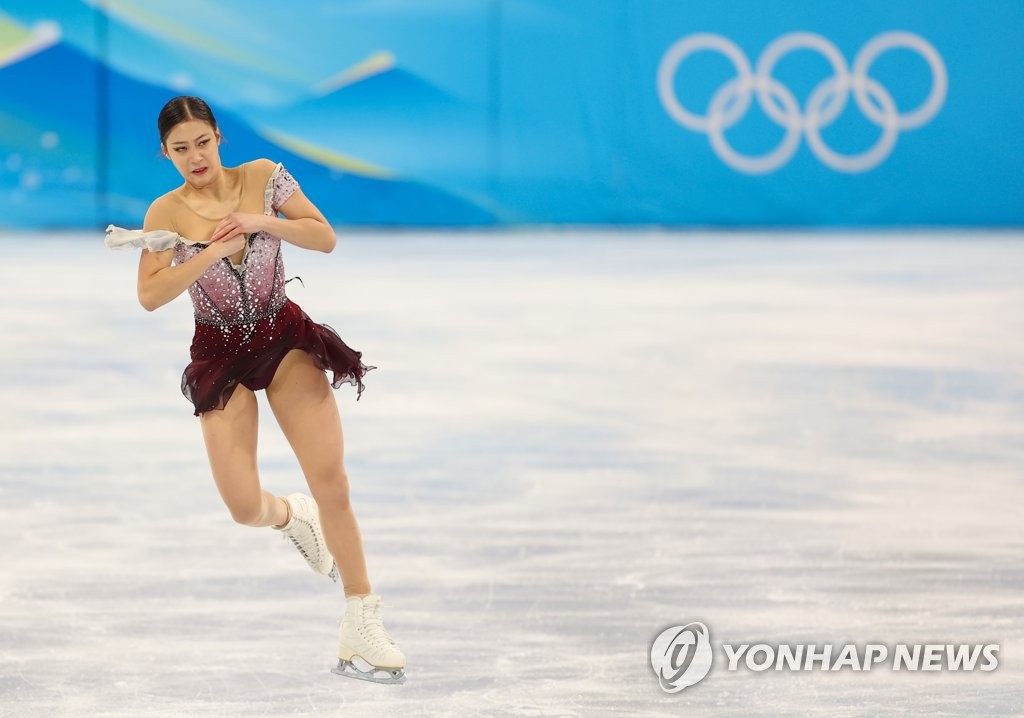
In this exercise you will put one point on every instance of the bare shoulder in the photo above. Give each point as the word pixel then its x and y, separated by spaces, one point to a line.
pixel 263 164
pixel 261 169
pixel 160 214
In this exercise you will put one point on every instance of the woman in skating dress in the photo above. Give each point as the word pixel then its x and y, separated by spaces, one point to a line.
pixel 219 236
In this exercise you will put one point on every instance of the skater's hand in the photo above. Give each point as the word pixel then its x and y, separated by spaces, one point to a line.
pixel 227 246
pixel 238 222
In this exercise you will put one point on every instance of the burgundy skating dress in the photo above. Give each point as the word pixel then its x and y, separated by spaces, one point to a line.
pixel 245 323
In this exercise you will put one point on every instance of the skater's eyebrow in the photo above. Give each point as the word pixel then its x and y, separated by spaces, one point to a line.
pixel 183 142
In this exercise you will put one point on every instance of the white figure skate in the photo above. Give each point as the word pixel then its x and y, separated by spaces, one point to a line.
pixel 303 529
pixel 365 650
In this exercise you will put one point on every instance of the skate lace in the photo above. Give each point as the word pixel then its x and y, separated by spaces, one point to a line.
pixel 373 624
pixel 307 551
pixel 291 534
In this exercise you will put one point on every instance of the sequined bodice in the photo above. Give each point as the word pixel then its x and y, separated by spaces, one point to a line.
pixel 228 294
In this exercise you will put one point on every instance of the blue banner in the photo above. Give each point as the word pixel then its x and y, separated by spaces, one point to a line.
pixel 474 113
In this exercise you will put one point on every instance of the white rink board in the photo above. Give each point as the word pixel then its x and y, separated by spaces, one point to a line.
pixel 573 441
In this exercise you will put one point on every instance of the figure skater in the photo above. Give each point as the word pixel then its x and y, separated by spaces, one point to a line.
pixel 219 236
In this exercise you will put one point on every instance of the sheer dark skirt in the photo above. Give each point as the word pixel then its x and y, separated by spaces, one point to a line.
pixel 224 357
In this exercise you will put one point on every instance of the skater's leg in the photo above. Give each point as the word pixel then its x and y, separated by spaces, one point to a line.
pixel 304 405
pixel 230 436
pixel 301 399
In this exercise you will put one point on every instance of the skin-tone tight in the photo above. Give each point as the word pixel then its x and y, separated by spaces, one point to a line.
pixel 304 406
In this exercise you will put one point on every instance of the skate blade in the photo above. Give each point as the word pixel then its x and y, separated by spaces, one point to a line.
pixel 387 676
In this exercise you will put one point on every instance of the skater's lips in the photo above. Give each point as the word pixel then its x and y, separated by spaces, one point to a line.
pixel 199 171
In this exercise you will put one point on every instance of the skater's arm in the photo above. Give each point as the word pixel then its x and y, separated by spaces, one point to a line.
pixel 304 225
pixel 159 282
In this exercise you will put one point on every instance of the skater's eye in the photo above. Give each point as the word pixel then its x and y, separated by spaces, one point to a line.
pixel 203 143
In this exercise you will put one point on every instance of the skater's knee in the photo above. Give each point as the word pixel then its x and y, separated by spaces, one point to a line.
pixel 248 512
pixel 331 491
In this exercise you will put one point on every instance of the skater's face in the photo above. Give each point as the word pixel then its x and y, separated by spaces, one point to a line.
pixel 193 148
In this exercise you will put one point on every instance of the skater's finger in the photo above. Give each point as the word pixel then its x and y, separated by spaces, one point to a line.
pixel 228 230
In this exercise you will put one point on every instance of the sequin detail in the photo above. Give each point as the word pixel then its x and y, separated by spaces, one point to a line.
pixel 225 296
pixel 283 186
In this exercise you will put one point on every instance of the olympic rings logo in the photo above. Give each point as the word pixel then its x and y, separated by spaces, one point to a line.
pixel 824 105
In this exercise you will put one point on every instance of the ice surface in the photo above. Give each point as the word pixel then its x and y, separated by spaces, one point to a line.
pixel 572 442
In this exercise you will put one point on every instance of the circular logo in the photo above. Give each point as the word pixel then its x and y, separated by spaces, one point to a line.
pixel 681 656
pixel 825 104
